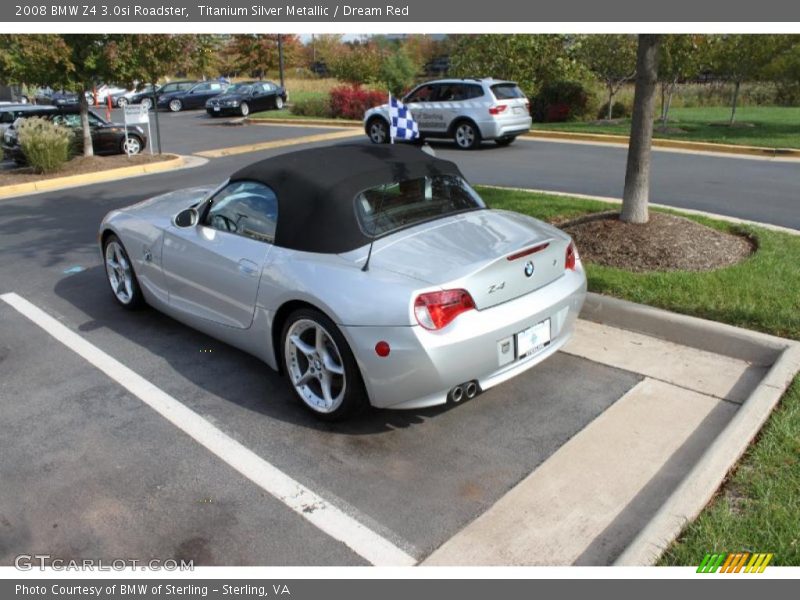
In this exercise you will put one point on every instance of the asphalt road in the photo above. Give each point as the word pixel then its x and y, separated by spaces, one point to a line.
pixel 89 471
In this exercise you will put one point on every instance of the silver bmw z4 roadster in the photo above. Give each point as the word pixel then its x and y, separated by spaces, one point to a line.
pixel 366 274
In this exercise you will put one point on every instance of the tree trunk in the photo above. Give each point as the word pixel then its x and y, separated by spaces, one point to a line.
pixel 610 102
pixel 664 102
pixel 733 102
pixel 637 173
pixel 88 149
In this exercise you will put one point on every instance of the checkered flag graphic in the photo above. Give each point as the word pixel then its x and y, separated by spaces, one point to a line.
pixel 403 126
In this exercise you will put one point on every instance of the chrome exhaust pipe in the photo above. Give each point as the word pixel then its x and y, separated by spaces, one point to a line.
pixel 457 394
pixel 471 390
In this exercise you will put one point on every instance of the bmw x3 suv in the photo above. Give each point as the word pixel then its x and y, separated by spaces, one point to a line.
pixel 467 111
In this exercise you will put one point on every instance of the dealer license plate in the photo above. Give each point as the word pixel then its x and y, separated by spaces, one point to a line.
pixel 216 108
pixel 518 110
pixel 531 340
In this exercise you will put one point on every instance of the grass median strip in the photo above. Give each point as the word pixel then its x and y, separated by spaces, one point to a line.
pixel 767 126
pixel 306 139
pixel 758 509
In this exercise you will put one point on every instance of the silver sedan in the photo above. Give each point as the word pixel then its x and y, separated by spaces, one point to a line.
pixel 366 274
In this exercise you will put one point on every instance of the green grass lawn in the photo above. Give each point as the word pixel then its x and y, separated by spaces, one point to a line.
pixel 772 126
pixel 758 508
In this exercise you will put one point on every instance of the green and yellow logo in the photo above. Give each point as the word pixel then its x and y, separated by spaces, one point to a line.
pixel 735 562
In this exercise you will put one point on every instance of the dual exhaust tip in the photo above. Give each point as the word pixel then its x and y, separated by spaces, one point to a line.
pixel 466 390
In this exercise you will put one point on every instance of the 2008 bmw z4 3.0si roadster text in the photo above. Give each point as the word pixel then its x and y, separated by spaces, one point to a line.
pixel 367 274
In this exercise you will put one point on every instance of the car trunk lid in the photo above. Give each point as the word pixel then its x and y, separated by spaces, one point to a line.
pixel 495 255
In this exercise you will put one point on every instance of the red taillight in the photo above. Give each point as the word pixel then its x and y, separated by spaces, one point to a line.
pixel 527 107
pixel 435 310
pixel 496 110
pixel 570 262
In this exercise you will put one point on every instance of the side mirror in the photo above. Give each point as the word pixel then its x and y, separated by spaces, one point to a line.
pixel 188 217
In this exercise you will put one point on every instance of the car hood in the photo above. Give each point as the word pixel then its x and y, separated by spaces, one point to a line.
pixel 166 206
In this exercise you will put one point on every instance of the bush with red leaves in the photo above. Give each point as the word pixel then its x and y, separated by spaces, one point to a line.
pixel 350 102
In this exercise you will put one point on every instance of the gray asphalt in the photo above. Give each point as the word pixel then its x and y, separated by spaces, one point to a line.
pixel 94 472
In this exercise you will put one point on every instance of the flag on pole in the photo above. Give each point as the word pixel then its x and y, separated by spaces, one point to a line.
pixel 402 124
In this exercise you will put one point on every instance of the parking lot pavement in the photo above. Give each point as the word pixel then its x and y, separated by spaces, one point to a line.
pixel 90 471
pixel 192 131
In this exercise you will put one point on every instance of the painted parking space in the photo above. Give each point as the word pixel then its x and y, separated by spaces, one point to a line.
pixel 416 478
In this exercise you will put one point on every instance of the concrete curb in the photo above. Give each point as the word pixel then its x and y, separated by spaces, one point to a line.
pixel 306 122
pixel 667 143
pixel 702 482
pixel 569 136
pixel 56 183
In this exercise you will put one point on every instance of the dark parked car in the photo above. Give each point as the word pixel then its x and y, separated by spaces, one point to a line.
pixel 246 97
pixel 142 95
pixel 194 97
pixel 107 138
pixel 60 99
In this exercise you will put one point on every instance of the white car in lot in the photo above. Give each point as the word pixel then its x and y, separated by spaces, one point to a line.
pixel 467 111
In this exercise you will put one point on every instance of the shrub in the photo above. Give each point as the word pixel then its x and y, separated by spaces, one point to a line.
pixel 562 101
pixel 313 106
pixel 45 145
pixel 620 110
pixel 350 102
pixel 397 71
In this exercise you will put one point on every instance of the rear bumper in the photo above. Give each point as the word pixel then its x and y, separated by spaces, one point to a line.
pixel 423 366
pixel 497 128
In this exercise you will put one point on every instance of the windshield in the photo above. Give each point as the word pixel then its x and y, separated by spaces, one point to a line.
pixel 239 88
pixel 392 206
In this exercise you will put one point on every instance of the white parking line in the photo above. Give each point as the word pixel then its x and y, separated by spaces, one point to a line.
pixel 337 524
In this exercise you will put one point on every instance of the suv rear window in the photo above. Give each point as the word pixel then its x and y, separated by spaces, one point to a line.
pixel 392 206
pixel 507 91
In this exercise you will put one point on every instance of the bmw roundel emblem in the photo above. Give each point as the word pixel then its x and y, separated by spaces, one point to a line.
pixel 529 268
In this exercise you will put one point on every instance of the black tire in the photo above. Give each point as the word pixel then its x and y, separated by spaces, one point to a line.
pixel 122 102
pixel 279 103
pixel 175 105
pixel 505 140
pixel 136 298
pixel 378 130
pixel 244 109
pixel 466 135
pixel 148 102
pixel 355 397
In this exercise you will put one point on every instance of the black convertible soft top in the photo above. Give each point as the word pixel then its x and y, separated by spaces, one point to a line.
pixel 316 189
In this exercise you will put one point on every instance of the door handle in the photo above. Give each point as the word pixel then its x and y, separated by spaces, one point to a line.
pixel 248 267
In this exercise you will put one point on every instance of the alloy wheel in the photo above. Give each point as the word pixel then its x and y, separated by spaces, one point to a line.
pixel 118 270
pixel 315 366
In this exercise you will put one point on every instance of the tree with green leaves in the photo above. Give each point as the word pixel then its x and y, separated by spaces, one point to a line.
pixel 636 195
pixel 356 63
pixel 530 60
pixel 73 62
pixel 744 57
pixel 611 57
pixel 680 57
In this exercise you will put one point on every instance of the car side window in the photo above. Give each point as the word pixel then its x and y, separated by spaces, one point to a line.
pixel 6 117
pixel 425 93
pixel 246 208
pixel 268 87
pixel 473 91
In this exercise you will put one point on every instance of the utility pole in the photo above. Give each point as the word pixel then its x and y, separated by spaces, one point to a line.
pixel 280 57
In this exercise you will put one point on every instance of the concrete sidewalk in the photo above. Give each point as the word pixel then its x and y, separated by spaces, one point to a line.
pixel 592 499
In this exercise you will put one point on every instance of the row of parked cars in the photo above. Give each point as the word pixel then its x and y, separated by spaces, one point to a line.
pixel 217 97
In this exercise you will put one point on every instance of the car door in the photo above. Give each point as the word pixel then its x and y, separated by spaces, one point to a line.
pixel 263 98
pixel 422 104
pixel 212 269
pixel 104 139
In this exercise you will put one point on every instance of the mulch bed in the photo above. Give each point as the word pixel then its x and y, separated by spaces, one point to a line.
pixel 665 243
pixel 80 165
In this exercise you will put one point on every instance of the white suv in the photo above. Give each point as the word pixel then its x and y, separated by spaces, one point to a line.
pixel 465 110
